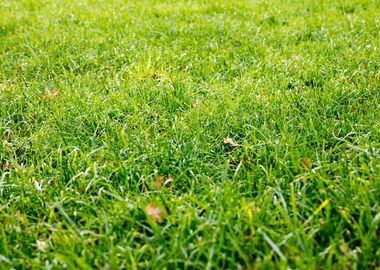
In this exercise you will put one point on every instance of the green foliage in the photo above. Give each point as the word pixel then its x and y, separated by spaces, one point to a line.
pixel 110 106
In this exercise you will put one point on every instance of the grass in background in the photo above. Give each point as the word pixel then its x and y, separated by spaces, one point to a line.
pixel 189 134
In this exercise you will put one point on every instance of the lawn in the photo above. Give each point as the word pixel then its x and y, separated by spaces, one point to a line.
pixel 165 134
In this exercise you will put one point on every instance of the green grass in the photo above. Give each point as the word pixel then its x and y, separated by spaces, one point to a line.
pixel 109 106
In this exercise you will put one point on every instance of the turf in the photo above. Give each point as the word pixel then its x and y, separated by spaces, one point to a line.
pixel 189 134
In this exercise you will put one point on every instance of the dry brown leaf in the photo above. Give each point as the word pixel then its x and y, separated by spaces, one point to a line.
pixel 305 164
pixel 228 140
pixel 41 245
pixel 162 181
pixel 158 182
pixel 50 94
pixel 4 165
pixel 155 213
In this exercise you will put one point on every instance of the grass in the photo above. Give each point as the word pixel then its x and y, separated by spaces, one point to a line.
pixel 190 134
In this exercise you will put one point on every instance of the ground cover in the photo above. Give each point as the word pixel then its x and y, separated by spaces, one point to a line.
pixel 189 134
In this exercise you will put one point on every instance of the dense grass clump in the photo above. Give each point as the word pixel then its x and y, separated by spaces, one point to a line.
pixel 189 134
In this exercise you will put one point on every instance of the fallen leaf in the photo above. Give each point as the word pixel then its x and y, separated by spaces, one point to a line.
pixel 161 181
pixel 155 213
pixel 158 182
pixel 4 166
pixel 6 133
pixel 50 94
pixel 228 140
pixel 41 245
pixel 306 164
